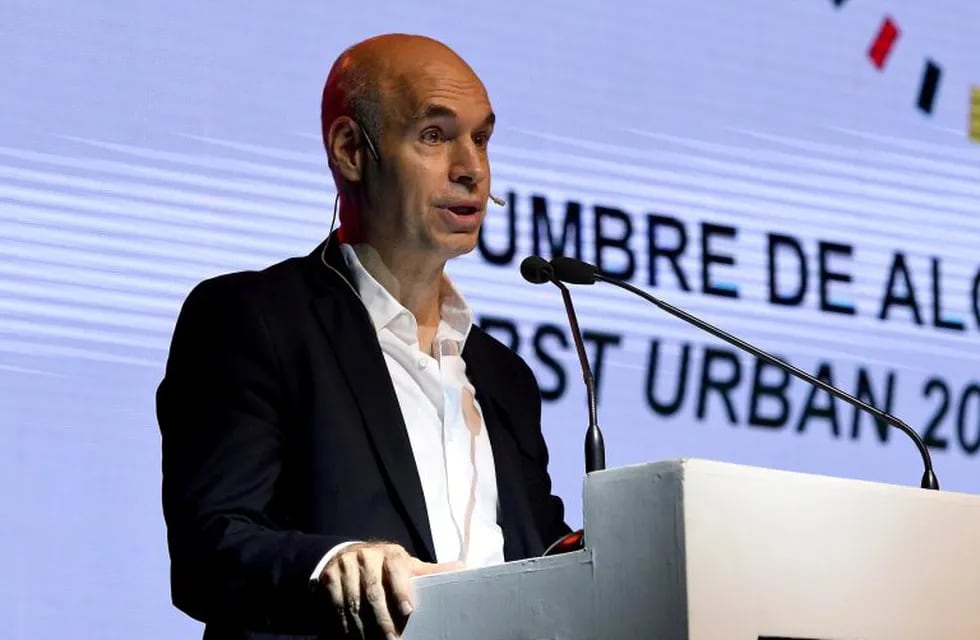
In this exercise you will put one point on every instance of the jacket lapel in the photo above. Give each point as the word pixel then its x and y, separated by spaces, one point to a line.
pixel 521 538
pixel 353 339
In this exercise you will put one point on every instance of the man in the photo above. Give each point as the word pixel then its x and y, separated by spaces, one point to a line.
pixel 334 424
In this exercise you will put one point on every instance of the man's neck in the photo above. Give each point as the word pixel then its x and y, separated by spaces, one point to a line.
pixel 416 283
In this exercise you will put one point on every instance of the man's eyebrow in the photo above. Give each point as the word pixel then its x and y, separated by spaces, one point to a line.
pixel 432 111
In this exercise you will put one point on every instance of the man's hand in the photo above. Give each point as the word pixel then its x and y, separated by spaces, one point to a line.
pixel 376 575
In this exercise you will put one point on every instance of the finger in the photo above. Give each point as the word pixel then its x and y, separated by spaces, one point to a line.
pixel 398 578
pixel 331 580
pixel 358 624
pixel 371 563
pixel 420 568
pixel 350 577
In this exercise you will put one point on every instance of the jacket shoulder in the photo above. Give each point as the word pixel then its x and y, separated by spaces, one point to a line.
pixel 274 281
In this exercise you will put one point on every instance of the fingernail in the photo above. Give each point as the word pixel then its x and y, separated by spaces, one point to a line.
pixel 390 636
pixel 406 608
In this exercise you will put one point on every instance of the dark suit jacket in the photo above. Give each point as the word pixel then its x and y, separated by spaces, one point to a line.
pixel 282 436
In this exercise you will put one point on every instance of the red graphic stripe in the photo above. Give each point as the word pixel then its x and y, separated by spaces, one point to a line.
pixel 883 44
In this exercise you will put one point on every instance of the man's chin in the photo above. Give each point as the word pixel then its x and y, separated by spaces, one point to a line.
pixel 454 245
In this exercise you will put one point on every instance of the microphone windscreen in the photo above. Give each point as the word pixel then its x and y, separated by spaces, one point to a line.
pixel 573 271
pixel 536 269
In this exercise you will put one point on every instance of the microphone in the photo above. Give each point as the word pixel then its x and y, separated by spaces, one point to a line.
pixel 536 270
pixel 578 272
pixel 499 202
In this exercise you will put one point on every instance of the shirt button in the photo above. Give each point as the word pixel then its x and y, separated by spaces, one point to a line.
pixel 423 363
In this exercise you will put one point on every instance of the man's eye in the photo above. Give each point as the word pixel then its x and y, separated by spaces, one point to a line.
pixel 432 136
pixel 481 140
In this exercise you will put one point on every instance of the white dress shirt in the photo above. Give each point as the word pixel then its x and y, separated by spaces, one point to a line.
pixel 445 425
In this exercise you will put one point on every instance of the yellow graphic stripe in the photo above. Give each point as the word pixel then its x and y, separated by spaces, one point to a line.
pixel 975 113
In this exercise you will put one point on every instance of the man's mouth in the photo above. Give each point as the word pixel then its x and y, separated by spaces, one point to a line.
pixel 463 210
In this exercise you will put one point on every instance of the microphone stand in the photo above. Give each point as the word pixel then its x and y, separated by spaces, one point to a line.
pixel 537 270
pixel 595 448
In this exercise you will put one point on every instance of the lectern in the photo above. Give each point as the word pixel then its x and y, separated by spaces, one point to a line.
pixel 700 550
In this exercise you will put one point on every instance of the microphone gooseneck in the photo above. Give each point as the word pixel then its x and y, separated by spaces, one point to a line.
pixel 537 270
pixel 579 272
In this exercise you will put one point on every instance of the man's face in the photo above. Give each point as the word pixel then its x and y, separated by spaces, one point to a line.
pixel 431 186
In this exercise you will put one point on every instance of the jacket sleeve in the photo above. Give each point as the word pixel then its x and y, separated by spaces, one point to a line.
pixel 233 560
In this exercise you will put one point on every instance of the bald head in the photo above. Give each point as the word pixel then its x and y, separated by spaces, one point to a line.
pixel 374 81
pixel 406 124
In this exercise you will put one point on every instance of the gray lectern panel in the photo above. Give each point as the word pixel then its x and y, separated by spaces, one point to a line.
pixel 531 599
pixel 635 529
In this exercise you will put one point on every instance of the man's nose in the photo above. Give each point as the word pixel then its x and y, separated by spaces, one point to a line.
pixel 469 164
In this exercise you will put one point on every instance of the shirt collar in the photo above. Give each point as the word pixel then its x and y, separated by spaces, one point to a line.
pixel 374 282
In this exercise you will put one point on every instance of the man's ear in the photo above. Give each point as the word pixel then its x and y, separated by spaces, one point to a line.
pixel 344 145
